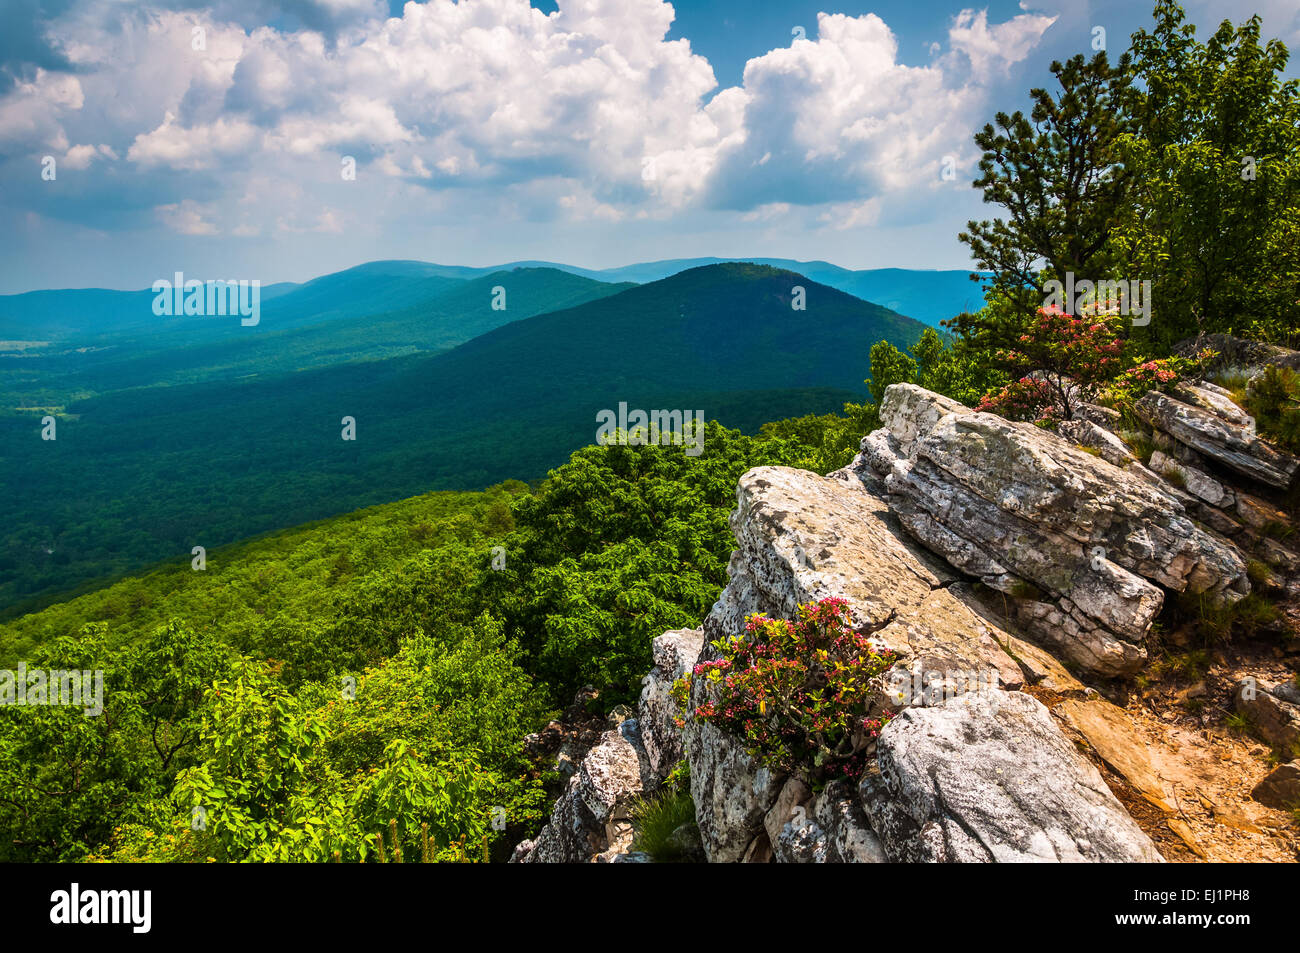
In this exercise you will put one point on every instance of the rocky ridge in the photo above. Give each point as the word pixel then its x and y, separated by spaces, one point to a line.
pixel 982 552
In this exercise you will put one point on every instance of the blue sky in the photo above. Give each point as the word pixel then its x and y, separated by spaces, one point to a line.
pixel 215 138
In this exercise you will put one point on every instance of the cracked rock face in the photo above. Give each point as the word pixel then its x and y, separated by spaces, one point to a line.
pixel 1207 421
pixel 800 538
pixel 988 777
pixel 674 654
pixel 833 831
pixel 1083 547
pixel 591 817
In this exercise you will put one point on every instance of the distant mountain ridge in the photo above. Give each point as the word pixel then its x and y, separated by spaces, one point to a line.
pixel 142 473
pixel 381 286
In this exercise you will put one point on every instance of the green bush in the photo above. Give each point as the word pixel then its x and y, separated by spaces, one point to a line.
pixel 1273 399
pixel 657 819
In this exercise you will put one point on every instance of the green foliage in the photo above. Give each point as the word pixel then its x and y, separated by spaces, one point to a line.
pixel 1273 398
pixel 430 740
pixel 1179 165
pixel 657 818
pixel 240 708
pixel 1217 621
pixel 833 439
pixel 139 474
pixel 801 694
pixel 943 364
pixel 617 546
pixel 66 778
pixel 1214 217
pixel 1054 174
pixel 889 366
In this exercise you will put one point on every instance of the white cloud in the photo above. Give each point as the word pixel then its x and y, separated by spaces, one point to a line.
pixel 494 109
pixel 842 120
pixel 995 48
pixel 31 115
pixel 185 218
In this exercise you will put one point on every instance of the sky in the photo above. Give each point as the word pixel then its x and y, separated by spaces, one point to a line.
pixel 249 139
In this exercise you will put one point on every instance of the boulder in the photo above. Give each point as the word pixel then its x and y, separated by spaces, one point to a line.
pixel 1111 448
pixel 1228 440
pixel 988 777
pixel 1196 482
pixel 831 829
pixel 1280 788
pixel 800 538
pixel 591 817
pixel 674 652
pixel 1081 545
pixel 1271 711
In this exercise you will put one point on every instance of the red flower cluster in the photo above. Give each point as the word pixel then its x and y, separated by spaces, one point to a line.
pixel 1062 359
pixel 802 693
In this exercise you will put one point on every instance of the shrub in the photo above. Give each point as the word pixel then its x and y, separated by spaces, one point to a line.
pixel 658 819
pixel 802 694
pixel 1274 399
pixel 1067 356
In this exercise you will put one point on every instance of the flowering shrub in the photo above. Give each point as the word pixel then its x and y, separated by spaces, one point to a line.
pixel 1025 399
pixel 800 693
pixel 1159 374
pixel 1068 357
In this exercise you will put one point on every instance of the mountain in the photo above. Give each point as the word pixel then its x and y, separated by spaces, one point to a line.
pixel 448 313
pixel 383 286
pixel 142 474
pixel 928 296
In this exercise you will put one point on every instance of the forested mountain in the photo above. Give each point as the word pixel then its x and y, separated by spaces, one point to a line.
pixel 461 619
pixel 136 475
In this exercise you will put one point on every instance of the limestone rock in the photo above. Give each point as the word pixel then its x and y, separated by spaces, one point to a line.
pixel 1088 434
pixel 849 837
pixel 1226 440
pixel 1108 730
pixel 732 794
pixel 801 843
pixel 830 829
pixel 800 538
pixel 1022 509
pixel 1281 788
pixel 1237 352
pixel 1197 482
pixel 794 794
pixel 591 817
pixel 989 777
pixel 674 652
pixel 1275 717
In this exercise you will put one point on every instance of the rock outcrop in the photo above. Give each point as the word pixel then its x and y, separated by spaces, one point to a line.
pixel 983 553
pixel 590 819
pixel 1281 788
pixel 1273 711
pixel 802 538
pixel 674 654
pixel 1084 547
pixel 1204 420
pixel 988 776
